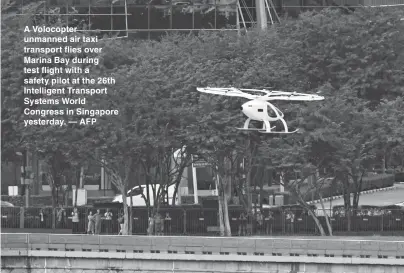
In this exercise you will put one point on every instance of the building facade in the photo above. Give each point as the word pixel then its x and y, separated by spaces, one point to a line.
pixel 154 18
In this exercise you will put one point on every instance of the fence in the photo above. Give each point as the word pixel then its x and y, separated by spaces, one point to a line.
pixel 203 221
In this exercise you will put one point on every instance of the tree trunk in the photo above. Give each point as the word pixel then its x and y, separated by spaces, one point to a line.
pixel 250 150
pixel 82 177
pixel 347 200
pixel 327 218
pixel 302 203
pixel 175 194
pixel 76 190
pixel 53 204
pixel 384 163
pixel 131 216
pixel 125 230
pixel 318 223
pixel 227 227
pixel 355 203
pixel 184 164
pixel 152 227
pixel 221 214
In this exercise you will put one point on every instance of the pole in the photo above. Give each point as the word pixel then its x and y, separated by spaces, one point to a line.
pixel 195 182
pixel 238 21
pixel 102 176
pixel 126 19
pixel 81 177
pixel 23 178
pixel 261 14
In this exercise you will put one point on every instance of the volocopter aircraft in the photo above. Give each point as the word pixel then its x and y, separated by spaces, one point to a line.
pixel 257 107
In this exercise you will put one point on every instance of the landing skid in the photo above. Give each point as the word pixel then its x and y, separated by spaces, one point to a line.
pixel 250 129
pixel 279 133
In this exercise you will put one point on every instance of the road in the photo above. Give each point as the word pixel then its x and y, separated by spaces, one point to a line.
pixel 381 198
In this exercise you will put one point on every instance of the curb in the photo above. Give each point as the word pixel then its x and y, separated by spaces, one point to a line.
pixel 361 193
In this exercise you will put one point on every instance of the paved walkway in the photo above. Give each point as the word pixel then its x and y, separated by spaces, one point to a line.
pixel 386 237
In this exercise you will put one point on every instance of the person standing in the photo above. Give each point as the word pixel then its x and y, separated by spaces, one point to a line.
pixel 108 221
pixel 290 219
pixel 167 224
pixel 97 222
pixel 158 225
pixel 242 228
pixel 259 222
pixel 61 215
pixel 90 225
pixel 75 221
pixel 269 222
pixel 121 221
pixel 41 218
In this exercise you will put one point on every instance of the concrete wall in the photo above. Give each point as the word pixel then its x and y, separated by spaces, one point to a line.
pixel 387 249
pixel 157 263
pixel 83 253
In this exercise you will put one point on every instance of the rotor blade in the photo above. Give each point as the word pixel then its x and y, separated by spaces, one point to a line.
pixel 267 95
pixel 273 92
pixel 255 90
pixel 231 92
pixel 306 97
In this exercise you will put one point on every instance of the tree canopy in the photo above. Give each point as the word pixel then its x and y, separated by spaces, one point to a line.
pixel 355 60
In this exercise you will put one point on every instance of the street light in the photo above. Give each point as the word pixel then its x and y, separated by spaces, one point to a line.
pixel 23 174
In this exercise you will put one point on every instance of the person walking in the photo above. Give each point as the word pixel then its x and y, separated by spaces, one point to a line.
pixel 75 221
pixel 91 224
pixel 97 222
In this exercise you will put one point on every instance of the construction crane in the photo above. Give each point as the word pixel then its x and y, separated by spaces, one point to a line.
pixel 261 13
pixel 265 13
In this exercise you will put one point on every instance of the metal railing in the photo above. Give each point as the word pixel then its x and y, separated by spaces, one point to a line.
pixel 203 221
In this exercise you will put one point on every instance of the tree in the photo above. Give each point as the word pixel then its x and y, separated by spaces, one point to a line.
pixel 144 72
pixel 387 119
pixel 327 43
pixel 297 155
pixel 354 76
pixel 49 143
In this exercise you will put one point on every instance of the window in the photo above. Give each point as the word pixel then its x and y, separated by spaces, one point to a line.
pixel 205 179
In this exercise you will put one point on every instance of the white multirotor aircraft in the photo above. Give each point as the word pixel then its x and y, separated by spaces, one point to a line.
pixel 258 106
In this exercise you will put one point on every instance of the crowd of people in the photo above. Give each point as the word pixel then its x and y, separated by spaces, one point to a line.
pixel 96 220
pixel 198 221
pixel 264 224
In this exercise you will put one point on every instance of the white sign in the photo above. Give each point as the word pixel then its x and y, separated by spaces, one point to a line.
pixel 12 190
pixel 81 197
pixel 199 162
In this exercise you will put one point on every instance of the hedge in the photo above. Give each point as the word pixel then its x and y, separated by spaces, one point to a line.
pixel 368 183
pixel 399 177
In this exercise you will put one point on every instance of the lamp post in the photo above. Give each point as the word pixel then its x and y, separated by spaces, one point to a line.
pixel 23 156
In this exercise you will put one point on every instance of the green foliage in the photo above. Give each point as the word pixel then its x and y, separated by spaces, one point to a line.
pixel 352 59
pixel 361 52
